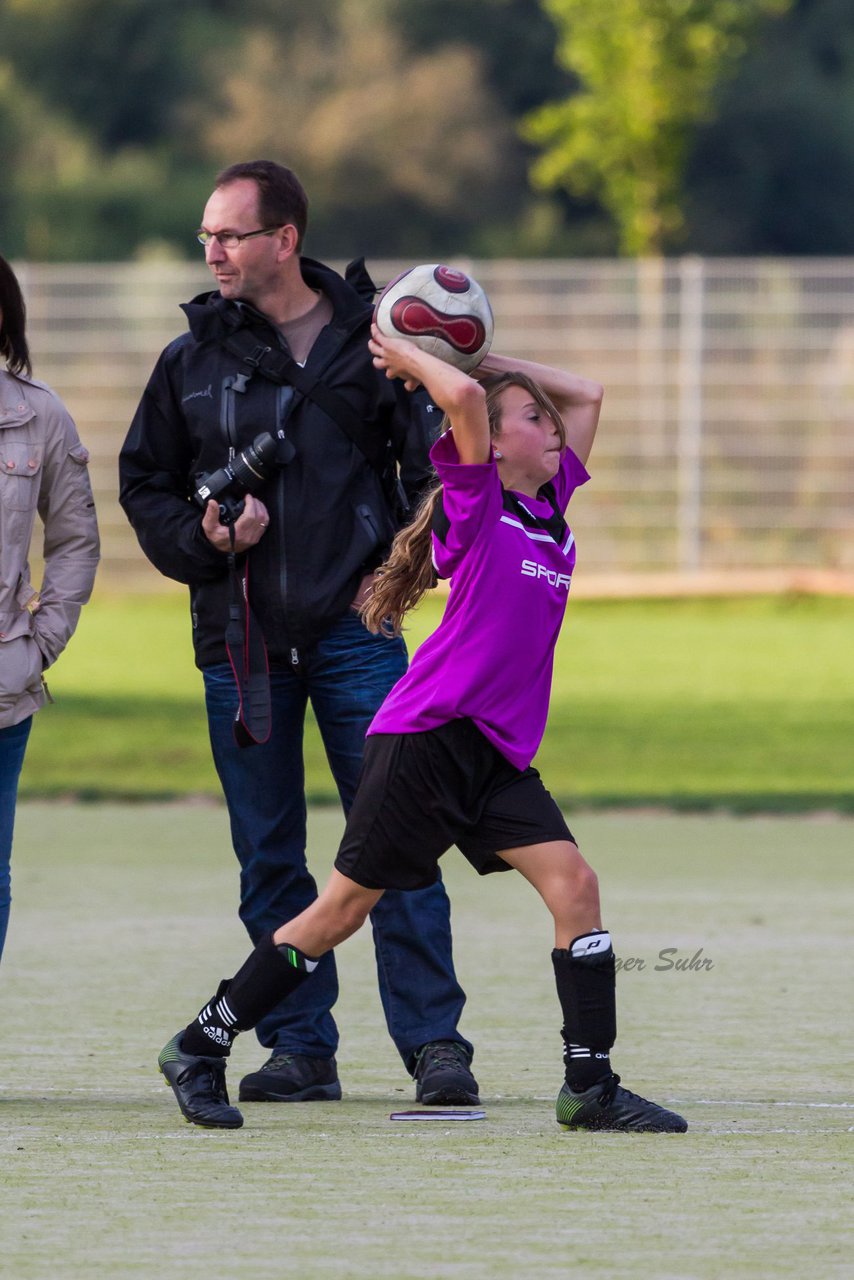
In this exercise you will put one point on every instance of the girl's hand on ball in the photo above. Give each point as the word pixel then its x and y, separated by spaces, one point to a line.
pixel 394 355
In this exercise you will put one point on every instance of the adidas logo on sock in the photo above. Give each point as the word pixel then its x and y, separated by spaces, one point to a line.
pixel 218 1036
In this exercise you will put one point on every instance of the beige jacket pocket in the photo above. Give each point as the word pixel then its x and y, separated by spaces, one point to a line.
pixel 20 471
pixel 21 687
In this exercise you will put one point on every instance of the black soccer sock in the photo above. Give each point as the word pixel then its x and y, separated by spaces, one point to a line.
pixel 585 974
pixel 270 973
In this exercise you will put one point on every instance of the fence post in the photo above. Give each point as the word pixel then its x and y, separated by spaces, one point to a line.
pixel 652 358
pixel 689 432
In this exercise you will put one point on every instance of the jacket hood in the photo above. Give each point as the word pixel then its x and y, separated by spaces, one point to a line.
pixel 209 315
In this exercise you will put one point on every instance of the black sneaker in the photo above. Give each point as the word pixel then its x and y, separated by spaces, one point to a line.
pixel 199 1085
pixel 292 1077
pixel 443 1076
pixel 606 1105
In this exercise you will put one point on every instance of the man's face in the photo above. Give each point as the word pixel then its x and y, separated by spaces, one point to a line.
pixel 249 271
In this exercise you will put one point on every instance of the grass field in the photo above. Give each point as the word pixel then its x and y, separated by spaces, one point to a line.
pixel 124 920
pixel 746 704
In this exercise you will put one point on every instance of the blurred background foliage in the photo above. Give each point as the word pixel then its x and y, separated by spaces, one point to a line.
pixel 420 127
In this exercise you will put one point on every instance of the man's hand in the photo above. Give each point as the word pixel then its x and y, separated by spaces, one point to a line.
pixel 249 528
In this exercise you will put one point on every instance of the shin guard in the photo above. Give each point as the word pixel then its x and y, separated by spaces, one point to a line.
pixel 585 974
pixel 269 974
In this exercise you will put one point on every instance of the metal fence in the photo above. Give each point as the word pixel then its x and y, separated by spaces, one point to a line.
pixel 727 437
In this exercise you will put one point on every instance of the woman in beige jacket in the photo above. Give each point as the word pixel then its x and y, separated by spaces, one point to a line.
pixel 42 470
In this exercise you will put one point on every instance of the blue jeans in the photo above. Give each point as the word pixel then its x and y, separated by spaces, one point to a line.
pixel 346 675
pixel 13 744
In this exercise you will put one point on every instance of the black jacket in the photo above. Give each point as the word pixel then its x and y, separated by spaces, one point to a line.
pixel 330 520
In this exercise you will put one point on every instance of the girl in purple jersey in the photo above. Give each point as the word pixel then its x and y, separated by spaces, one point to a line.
pixel 448 755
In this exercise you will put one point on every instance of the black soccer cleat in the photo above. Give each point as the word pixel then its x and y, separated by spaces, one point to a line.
pixel 443 1075
pixel 606 1105
pixel 292 1077
pixel 199 1085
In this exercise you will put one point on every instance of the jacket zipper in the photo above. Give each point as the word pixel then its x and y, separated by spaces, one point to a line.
pixel 283 399
pixel 226 414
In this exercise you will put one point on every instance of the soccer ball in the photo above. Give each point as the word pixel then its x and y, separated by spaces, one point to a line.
pixel 441 310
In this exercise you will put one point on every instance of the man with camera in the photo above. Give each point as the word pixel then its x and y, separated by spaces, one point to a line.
pixel 264 468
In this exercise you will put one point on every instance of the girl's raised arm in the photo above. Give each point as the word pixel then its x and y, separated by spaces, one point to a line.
pixel 454 392
pixel 577 399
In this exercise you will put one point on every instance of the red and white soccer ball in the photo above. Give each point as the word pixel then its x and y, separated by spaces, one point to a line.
pixel 441 310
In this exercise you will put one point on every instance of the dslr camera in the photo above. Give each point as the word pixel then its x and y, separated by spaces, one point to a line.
pixel 245 473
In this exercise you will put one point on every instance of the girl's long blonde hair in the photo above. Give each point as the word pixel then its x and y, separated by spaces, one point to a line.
pixel 408 572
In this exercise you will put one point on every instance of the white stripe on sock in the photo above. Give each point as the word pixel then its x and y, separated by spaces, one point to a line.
pixel 225 1013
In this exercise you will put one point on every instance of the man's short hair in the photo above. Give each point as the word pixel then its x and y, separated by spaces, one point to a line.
pixel 281 196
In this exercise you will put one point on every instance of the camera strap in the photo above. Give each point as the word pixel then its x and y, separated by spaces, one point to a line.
pixel 281 368
pixel 247 653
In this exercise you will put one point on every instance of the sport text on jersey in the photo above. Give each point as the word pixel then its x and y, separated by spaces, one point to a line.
pixel 533 569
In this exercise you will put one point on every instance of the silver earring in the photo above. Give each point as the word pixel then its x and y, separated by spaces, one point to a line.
pixel 498 455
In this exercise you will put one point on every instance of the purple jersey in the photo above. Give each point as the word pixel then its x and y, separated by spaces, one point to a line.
pixel 491 657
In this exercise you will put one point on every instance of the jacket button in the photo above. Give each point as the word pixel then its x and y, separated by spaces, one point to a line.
pixel 32 463
pixel 21 408
pixel 10 465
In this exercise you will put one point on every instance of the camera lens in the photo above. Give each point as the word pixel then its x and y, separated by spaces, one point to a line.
pixel 252 467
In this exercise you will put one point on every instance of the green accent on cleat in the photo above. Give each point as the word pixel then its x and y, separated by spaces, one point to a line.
pixel 198 1083
pixel 567 1108
pixel 607 1106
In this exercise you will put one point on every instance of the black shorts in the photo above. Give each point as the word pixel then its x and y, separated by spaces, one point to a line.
pixel 421 793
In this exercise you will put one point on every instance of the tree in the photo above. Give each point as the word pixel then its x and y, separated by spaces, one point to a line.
pixel 516 45
pixel 648 69
pixel 774 171
pixel 515 39
pixel 723 126
pixel 93 123
pixel 400 151
pixel 119 68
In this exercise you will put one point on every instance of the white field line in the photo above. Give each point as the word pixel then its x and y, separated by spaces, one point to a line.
pixel 733 1102
pixel 738 1102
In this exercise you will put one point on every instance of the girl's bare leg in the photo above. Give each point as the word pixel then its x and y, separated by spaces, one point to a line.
pixel 566 883
pixel 583 959
pixel 584 968
pixel 340 911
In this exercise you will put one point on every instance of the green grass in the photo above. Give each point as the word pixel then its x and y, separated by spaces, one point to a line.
pixel 745 704
pixel 124 921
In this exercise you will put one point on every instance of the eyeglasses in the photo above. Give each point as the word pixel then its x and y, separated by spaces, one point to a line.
pixel 231 239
